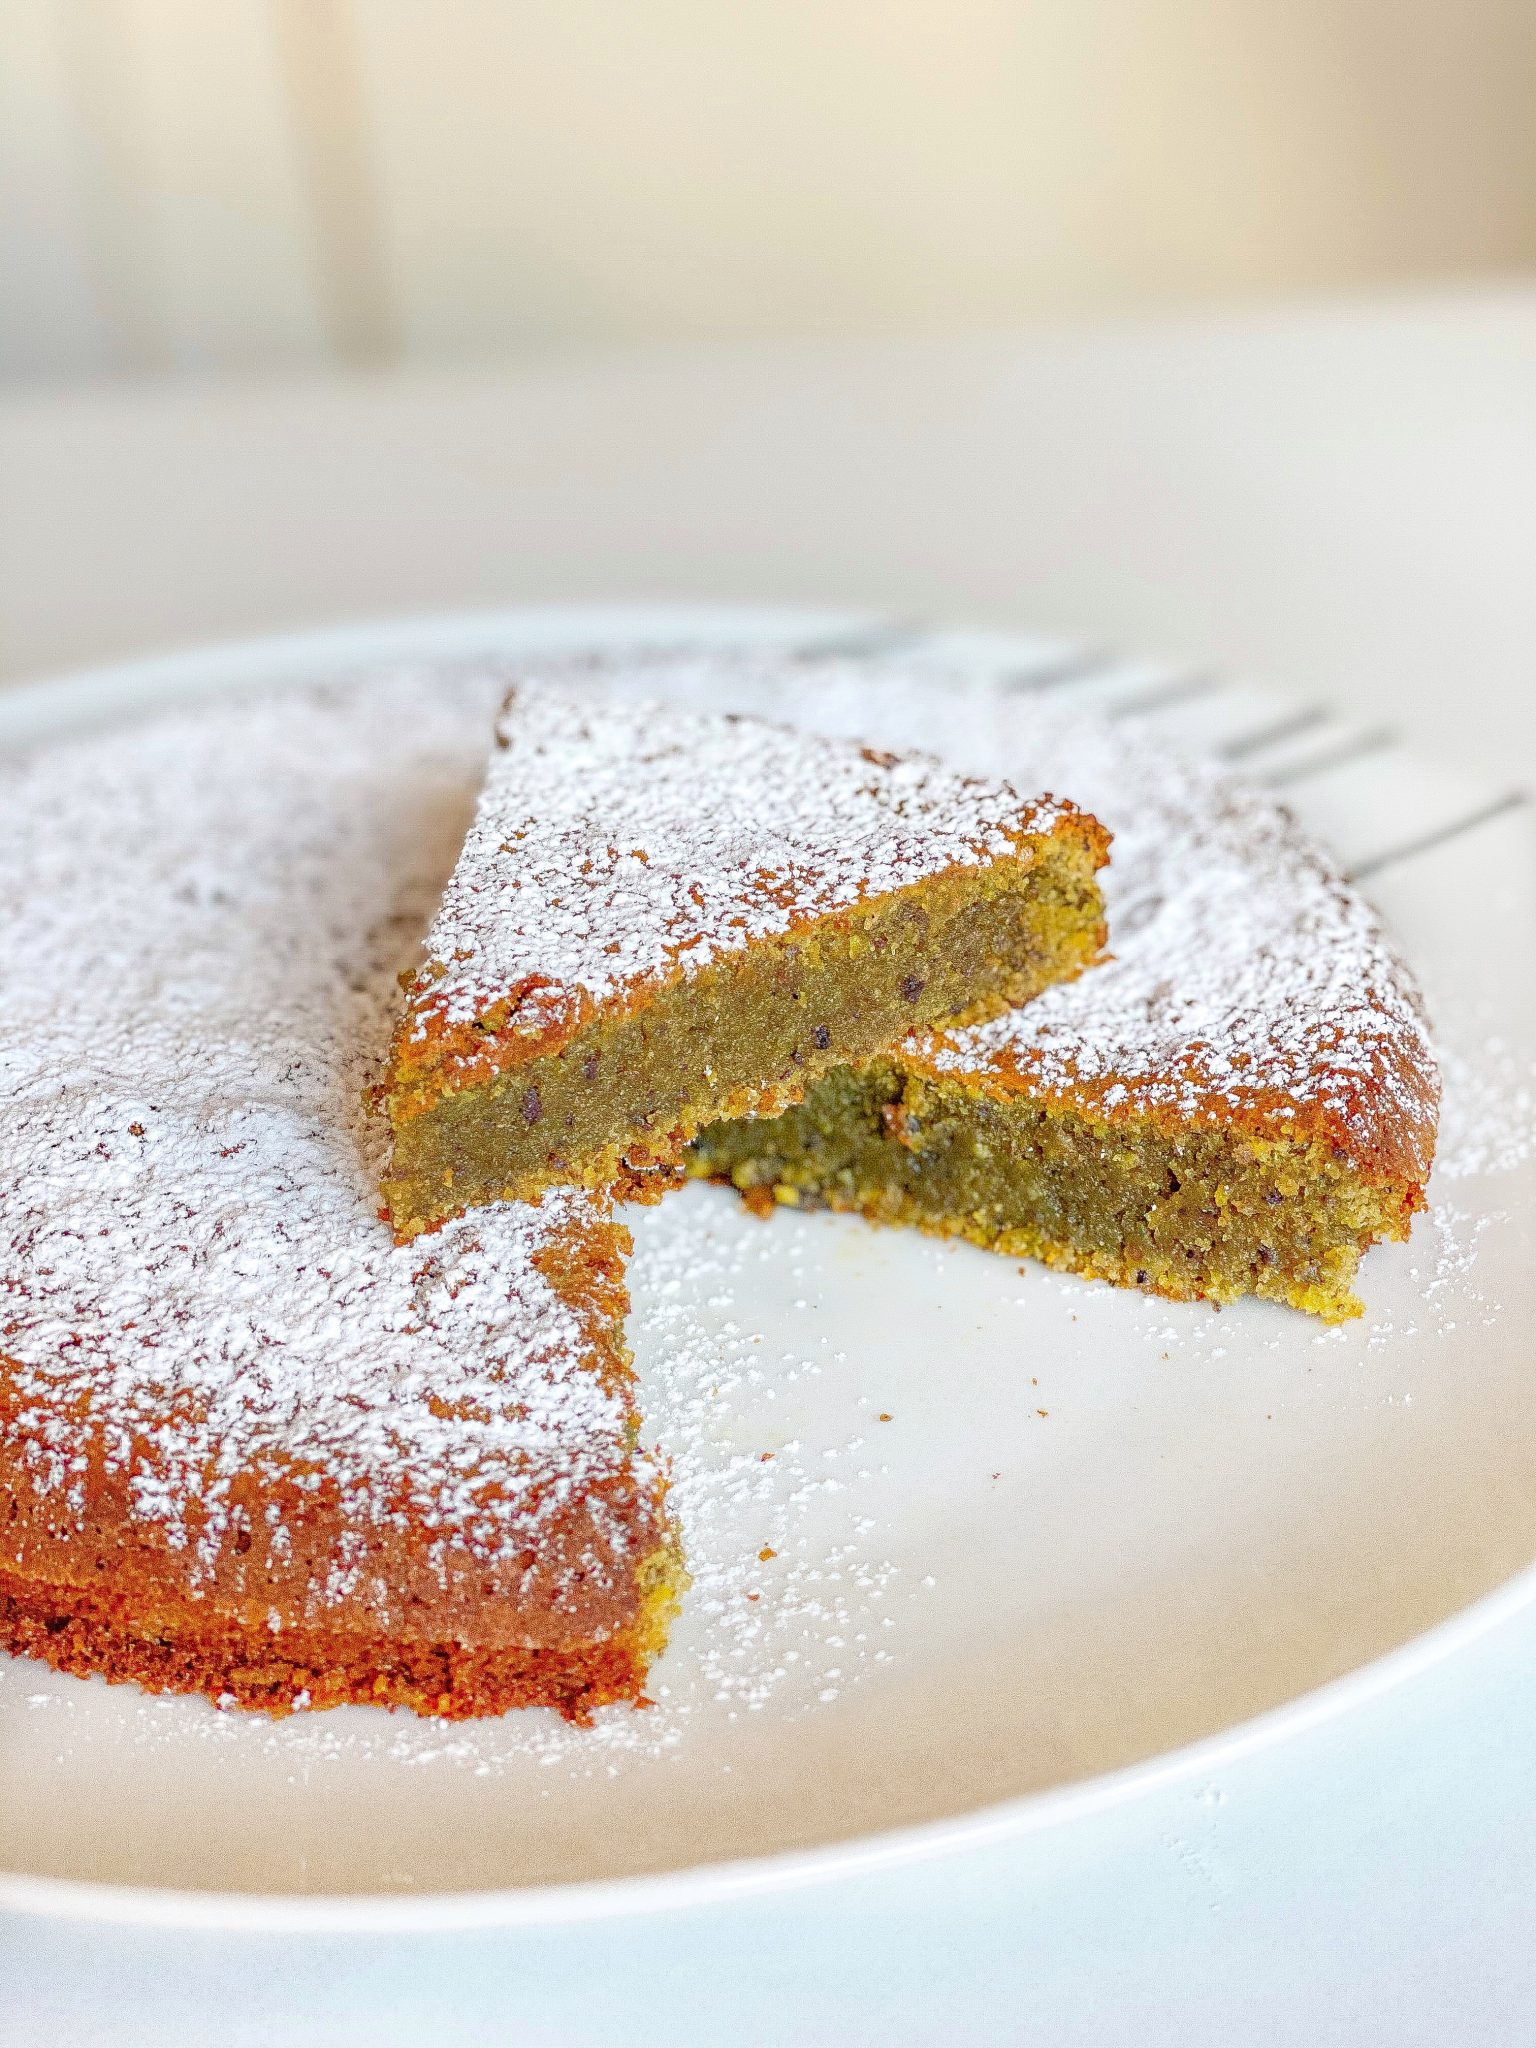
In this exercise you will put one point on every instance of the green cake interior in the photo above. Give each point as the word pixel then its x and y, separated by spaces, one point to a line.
pixel 618 1102
pixel 1186 1211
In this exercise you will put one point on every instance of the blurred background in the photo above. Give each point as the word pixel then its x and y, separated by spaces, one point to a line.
pixel 200 184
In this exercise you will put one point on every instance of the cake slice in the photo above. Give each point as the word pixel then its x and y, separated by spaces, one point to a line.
pixel 1240 1100
pixel 663 917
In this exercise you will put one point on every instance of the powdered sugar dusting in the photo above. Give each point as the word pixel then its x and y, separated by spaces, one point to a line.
pixel 200 925
pixel 1244 968
pixel 617 840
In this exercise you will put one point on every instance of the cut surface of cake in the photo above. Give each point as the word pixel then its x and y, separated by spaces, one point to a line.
pixel 249 1445
pixel 662 917
pixel 1240 1100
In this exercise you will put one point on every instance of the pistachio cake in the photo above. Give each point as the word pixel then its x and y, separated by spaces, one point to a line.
pixel 249 1445
pixel 662 917
pixel 1240 1100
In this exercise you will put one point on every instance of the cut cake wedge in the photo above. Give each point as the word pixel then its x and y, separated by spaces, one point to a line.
pixel 664 917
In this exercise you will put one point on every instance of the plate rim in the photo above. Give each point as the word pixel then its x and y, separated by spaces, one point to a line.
pixel 63 699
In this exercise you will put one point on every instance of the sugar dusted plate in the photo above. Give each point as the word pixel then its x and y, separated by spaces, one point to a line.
pixel 974 1547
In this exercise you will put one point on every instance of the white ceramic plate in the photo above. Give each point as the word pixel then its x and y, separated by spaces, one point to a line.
pixel 1098 1539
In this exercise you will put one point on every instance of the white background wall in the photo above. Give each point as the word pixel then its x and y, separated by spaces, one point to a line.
pixel 191 183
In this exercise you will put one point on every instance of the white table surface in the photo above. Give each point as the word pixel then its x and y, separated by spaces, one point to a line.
pixel 1339 500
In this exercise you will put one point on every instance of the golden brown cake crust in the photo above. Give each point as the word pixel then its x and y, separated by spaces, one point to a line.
pixel 134 1635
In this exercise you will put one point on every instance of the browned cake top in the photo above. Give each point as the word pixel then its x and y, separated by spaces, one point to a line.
pixel 1247 979
pixel 618 843
pixel 201 921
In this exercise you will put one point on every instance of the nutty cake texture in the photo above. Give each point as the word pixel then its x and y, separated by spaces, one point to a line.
pixel 1240 1100
pixel 249 1445
pixel 663 917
